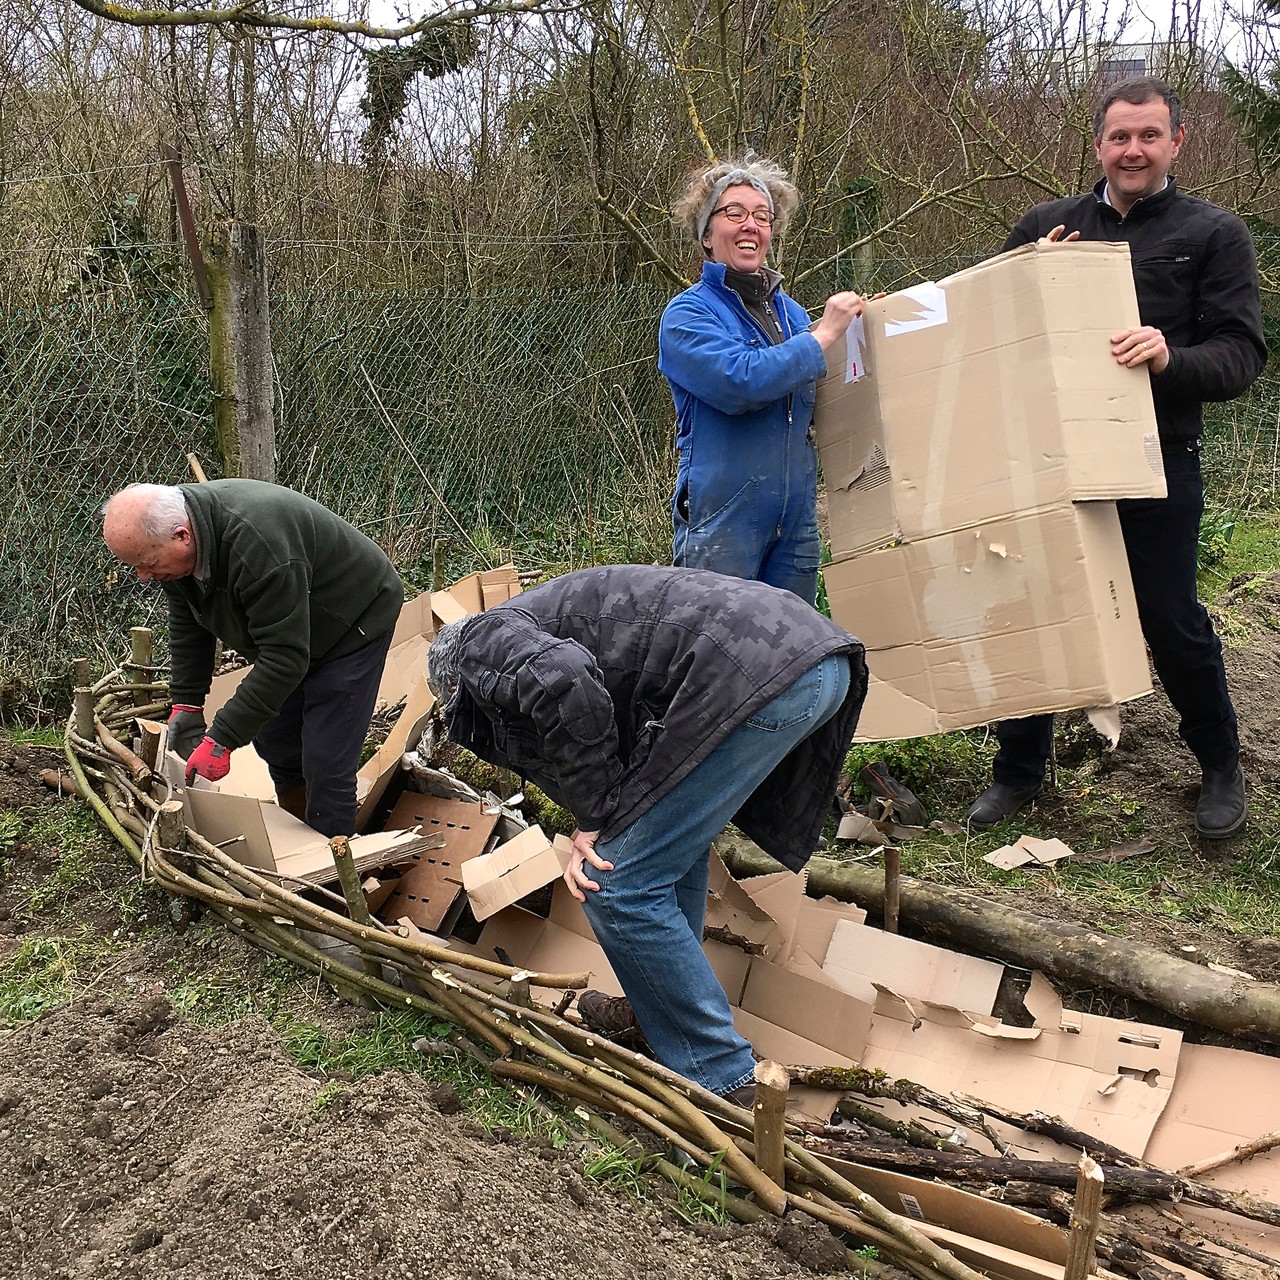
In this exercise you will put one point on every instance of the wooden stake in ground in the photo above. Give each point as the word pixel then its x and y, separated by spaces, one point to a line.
pixel 772 1085
pixel 83 696
pixel 357 905
pixel 1082 1239
pixel 892 880
pixel 140 662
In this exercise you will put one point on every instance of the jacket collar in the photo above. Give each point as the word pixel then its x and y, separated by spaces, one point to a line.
pixel 1146 207
pixel 713 273
pixel 202 527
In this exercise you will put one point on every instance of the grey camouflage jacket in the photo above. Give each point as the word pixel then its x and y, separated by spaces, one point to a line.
pixel 608 686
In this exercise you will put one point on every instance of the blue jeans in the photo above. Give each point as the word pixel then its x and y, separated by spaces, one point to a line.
pixel 649 911
pixel 738 540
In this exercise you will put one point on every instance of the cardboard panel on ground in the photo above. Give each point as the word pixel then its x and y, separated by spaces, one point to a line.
pixel 1027 614
pixel 429 890
pixel 1224 1097
pixel 261 834
pixel 1000 1239
pixel 990 392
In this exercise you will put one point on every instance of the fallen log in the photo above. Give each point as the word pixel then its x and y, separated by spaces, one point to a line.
pixel 1240 1006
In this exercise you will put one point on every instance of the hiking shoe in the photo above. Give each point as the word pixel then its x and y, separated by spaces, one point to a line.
pixel 611 1017
pixel 896 802
pixel 1221 809
pixel 999 803
pixel 743 1096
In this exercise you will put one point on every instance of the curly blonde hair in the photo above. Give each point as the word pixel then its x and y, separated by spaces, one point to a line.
pixel 692 211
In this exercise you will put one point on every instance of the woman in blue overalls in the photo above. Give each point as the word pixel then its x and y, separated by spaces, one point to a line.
pixel 742 362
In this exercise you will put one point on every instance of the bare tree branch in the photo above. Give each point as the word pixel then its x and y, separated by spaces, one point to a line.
pixel 250 15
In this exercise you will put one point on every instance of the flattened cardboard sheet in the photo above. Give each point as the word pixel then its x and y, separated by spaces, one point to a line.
pixel 1029 851
pixel 1104 1076
pixel 376 773
pixel 261 834
pixel 937 1203
pixel 859 955
pixel 1222 1098
pixel 429 889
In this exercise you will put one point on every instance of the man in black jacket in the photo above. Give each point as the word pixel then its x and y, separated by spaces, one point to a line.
pixel 657 704
pixel 309 599
pixel 1200 339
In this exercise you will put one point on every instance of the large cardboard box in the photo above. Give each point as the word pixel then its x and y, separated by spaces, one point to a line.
pixel 989 393
pixel 974 434
pixel 1021 615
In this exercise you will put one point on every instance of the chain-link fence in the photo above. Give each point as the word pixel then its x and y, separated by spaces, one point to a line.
pixel 470 426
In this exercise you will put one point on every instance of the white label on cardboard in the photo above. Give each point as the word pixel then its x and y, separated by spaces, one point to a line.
pixel 855 348
pixel 933 310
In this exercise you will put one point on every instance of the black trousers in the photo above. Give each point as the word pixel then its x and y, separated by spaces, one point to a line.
pixel 1160 537
pixel 316 738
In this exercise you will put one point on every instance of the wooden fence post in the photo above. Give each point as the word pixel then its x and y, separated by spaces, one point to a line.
pixel 240 352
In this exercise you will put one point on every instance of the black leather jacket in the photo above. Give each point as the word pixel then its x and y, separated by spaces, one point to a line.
pixel 1197 282
pixel 608 686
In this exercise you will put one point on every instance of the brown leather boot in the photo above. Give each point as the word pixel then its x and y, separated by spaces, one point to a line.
pixel 293 800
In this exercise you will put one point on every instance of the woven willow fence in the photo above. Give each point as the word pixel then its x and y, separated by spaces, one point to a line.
pixel 749 1164
pixel 473 426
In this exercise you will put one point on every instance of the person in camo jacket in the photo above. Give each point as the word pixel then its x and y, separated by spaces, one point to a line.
pixel 656 705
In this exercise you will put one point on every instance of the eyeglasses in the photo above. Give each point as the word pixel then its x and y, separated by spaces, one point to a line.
pixel 738 213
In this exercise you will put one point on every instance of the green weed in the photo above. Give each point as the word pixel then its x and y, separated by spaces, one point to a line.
pixel 40 976
pixel 616 1168
pixel 12 825
pixel 706 1204
pixel 328 1094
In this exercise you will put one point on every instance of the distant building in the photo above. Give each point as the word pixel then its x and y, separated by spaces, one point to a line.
pixel 1094 63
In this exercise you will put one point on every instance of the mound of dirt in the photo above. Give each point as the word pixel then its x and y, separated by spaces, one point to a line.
pixel 136 1142
pixel 133 1142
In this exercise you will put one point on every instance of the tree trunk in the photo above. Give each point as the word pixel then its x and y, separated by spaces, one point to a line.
pixel 240 352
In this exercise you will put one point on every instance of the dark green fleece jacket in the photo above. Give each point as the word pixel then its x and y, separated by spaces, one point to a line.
pixel 279 579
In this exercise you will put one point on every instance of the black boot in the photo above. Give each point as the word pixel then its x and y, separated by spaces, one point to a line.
pixel 998 803
pixel 1221 809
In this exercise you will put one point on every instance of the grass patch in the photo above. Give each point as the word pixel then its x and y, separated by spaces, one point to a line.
pixel 386 1043
pixel 70 833
pixel 41 976
pixel 1232 543
pixel 37 735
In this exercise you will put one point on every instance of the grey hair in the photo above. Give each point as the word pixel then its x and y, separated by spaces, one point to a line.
pixel 444 660
pixel 164 511
pixel 692 211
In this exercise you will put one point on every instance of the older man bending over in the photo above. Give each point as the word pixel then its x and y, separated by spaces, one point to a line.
pixel 282 580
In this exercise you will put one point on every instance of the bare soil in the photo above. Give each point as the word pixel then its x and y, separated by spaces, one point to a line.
pixel 135 1141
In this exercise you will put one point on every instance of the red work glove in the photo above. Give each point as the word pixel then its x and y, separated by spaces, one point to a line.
pixel 209 760
pixel 186 728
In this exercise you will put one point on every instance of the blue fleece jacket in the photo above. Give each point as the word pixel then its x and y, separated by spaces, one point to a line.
pixel 743 409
